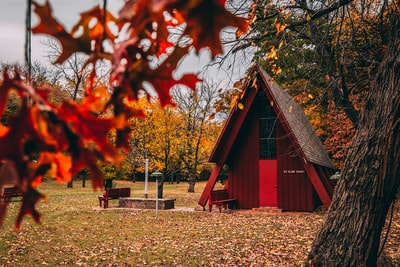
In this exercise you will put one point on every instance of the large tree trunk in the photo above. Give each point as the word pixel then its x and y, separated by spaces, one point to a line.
pixel 192 182
pixel 350 235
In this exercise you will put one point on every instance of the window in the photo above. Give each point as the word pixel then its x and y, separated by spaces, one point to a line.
pixel 267 123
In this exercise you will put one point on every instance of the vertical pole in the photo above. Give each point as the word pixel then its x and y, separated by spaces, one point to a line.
pixel 28 40
pixel 146 179
pixel 156 197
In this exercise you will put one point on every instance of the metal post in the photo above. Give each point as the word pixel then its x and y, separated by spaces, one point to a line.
pixel 156 197
pixel 146 179
pixel 156 174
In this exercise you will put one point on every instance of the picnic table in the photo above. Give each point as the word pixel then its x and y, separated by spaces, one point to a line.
pixel 113 193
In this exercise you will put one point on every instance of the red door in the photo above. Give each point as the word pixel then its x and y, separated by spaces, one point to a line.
pixel 268 183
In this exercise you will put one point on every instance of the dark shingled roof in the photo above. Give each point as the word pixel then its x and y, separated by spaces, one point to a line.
pixel 298 122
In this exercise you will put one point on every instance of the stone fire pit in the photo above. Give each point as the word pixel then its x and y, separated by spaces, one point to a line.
pixel 147 203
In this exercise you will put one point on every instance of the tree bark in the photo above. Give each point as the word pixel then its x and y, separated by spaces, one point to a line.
pixel 350 235
pixel 192 183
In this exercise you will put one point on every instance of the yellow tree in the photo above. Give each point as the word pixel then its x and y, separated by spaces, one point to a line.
pixel 167 142
pixel 155 138
pixel 196 130
pixel 175 140
pixel 141 138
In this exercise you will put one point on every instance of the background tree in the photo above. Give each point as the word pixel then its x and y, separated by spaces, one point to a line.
pixel 165 139
pixel 12 108
pixel 154 139
pixel 197 131
pixel 74 75
pixel 337 52
pixel 140 138
pixel 320 56
pixel 164 145
pixel 74 72
pixel 41 76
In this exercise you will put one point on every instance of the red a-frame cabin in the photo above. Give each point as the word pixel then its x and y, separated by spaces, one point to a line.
pixel 274 157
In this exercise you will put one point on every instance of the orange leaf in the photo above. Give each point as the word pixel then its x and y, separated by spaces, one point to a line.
pixel 280 27
pixel 95 31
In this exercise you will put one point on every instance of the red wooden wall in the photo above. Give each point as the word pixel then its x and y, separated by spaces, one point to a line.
pixel 295 191
pixel 244 165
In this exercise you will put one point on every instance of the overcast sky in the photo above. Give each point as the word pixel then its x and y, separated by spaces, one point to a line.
pixel 12 30
pixel 12 25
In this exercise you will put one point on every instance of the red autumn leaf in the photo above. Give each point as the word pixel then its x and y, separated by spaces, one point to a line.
pixel 83 43
pixel 97 99
pixel 44 130
pixel 24 137
pixel 86 158
pixel 29 200
pixel 161 78
pixel 91 129
pixel 205 20
pixel 58 166
pixel 95 31
pixel 142 13
pixel 150 23
pixel 49 25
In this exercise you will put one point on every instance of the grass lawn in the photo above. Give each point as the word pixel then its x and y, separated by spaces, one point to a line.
pixel 73 233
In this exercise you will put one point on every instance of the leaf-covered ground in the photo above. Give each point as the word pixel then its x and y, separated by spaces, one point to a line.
pixel 74 233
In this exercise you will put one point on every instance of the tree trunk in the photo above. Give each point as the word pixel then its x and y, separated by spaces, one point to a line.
pixel 192 183
pixel 350 235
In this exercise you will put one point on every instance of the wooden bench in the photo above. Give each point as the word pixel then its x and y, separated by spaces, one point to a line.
pixel 10 192
pixel 113 193
pixel 220 198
